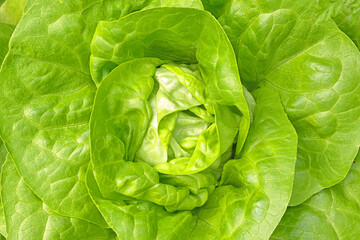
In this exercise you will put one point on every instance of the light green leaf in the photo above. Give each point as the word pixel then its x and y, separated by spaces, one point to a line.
pixel 197 4
pixel 110 47
pixel 348 20
pixel 171 96
pixel 46 97
pixel 251 200
pixel 141 219
pixel 119 122
pixel 283 45
pixel 5 33
pixel 3 154
pixel 11 11
pixel 333 213
pixel 248 204
pixel 126 106
pixel 188 126
pixel 27 217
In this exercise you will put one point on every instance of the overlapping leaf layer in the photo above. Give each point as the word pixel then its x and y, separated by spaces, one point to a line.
pixel 170 119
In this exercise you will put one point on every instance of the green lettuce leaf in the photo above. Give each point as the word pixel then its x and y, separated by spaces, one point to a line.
pixel 348 20
pixel 219 75
pixel 46 97
pixel 128 120
pixel 122 113
pixel 332 213
pixel 5 33
pixel 250 201
pixel 290 47
pixel 246 205
pixel 129 187
pixel 3 154
pixel 11 11
pixel 27 217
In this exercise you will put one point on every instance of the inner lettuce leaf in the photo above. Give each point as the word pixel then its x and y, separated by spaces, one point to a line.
pixel 294 49
pixel 122 122
pixel 177 130
pixel 166 125
pixel 174 39
pixel 46 97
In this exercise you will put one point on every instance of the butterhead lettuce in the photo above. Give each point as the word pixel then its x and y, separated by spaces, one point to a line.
pixel 213 119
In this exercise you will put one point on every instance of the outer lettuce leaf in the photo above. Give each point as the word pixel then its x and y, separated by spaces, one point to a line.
pixel 27 217
pixel 3 154
pixel 11 11
pixel 348 20
pixel 5 33
pixel 49 155
pixel 197 4
pixel 289 47
pixel 46 97
pixel 332 213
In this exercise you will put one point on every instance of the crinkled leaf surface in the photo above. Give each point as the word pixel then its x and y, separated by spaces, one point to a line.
pixel 125 191
pixel 11 11
pixel 119 121
pixel 3 154
pixel 248 204
pixel 168 81
pixel 5 33
pixel 122 113
pixel 181 35
pixel 284 45
pixel 333 213
pixel 348 20
pixel 46 100
pixel 27 217
pixel 255 189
